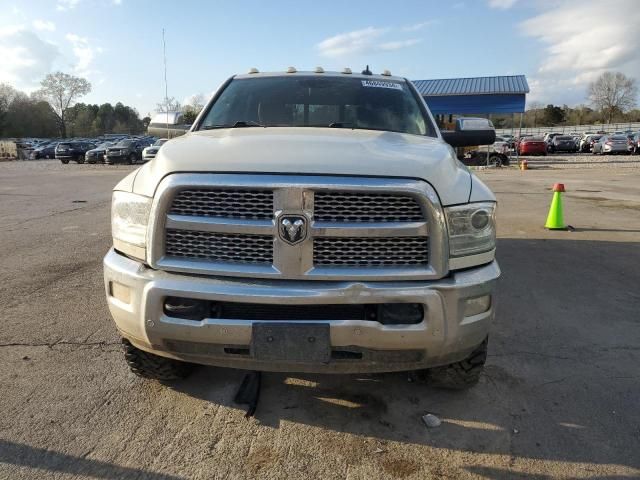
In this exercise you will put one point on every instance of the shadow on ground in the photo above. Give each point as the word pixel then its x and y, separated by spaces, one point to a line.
pixel 26 456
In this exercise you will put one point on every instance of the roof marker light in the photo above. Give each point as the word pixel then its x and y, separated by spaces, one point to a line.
pixel 291 70
pixel 319 70
pixel 386 73
pixel 347 71
pixel 253 70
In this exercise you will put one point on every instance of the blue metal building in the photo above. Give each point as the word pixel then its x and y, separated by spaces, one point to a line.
pixel 475 95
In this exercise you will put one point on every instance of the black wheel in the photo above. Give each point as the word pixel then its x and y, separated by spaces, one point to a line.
pixel 65 161
pixel 79 160
pixel 132 159
pixel 460 375
pixel 154 367
pixel 495 160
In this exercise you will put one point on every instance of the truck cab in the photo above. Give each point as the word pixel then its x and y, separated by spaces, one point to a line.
pixel 307 222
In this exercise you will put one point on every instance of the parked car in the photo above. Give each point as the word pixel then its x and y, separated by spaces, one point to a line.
pixel 532 146
pixel 563 143
pixel 125 151
pixel 610 144
pixel 586 144
pixel 633 144
pixel 96 155
pixel 149 153
pixel 548 138
pixel 67 151
pixel 47 150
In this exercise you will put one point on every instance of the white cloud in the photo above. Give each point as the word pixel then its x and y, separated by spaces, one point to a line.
pixel 398 44
pixel 84 52
pixel 367 40
pixel 26 58
pixel 117 2
pixel 44 25
pixel 418 26
pixel 67 5
pixel 575 55
pixel 502 4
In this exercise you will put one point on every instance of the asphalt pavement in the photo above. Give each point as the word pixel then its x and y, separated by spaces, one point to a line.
pixel 559 399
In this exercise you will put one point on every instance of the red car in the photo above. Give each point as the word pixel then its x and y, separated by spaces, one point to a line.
pixel 532 146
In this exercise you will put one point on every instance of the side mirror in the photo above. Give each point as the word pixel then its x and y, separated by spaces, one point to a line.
pixel 470 132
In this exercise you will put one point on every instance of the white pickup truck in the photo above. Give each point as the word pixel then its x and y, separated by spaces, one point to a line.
pixel 307 222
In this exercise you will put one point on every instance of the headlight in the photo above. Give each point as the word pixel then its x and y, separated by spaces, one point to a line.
pixel 472 228
pixel 129 217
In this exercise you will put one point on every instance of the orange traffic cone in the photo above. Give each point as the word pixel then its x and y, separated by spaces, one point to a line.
pixel 555 219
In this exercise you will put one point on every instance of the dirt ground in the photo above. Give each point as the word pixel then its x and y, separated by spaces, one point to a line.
pixel 559 399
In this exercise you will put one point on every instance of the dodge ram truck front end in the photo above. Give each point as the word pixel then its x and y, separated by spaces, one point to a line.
pixel 287 248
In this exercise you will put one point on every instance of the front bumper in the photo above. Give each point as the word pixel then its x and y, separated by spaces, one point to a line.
pixel 116 158
pixel 444 336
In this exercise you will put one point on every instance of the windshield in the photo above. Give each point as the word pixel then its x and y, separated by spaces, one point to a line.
pixel 124 143
pixel 160 142
pixel 304 101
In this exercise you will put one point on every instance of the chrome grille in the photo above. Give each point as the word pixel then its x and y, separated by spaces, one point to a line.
pixel 365 207
pixel 218 247
pixel 356 228
pixel 244 204
pixel 371 252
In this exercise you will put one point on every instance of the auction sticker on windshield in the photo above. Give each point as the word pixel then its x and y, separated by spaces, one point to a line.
pixel 379 84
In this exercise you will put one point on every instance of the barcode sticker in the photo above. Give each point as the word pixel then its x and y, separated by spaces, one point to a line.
pixel 380 84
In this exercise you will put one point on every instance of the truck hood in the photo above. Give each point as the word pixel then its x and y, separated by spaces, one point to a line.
pixel 323 151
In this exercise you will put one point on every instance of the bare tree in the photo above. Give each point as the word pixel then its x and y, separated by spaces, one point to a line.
pixel 62 90
pixel 168 105
pixel 613 92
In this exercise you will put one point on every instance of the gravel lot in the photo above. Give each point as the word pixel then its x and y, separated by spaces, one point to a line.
pixel 559 398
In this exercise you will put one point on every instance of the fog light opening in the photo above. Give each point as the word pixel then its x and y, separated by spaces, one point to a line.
pixel 477 305
pixel 186 308
pixel 120 292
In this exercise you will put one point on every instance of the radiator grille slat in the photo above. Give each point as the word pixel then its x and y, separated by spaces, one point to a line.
pixel 370 252
pixel 218 247
pixel 243 204
pixel 365 207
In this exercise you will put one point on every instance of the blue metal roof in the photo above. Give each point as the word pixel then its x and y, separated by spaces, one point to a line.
pixel 514 84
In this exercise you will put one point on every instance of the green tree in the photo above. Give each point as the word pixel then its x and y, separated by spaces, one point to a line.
pixel 553 115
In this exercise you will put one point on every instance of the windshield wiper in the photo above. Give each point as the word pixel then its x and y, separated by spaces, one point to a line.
pixel 238 124
pixel 340 124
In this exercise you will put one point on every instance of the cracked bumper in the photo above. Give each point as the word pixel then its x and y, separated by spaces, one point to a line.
pixel 444 335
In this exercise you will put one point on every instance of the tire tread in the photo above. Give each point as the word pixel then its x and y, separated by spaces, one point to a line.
pixel 154 367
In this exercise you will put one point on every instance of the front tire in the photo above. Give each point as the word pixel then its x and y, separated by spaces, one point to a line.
pixel 154 367
pixel 460 375
pixel 132 159
pixel 65 161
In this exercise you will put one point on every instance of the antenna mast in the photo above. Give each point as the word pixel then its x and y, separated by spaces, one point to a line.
pixel 166 91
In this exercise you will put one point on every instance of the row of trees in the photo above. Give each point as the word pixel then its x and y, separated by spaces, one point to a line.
pixel 53 111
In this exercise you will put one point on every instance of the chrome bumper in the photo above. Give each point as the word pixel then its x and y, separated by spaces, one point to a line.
pixel 445 335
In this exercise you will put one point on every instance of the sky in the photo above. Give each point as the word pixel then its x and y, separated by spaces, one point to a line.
pixel 559 45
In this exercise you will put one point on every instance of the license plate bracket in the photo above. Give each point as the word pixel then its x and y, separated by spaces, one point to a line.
pixel 291 342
